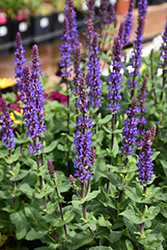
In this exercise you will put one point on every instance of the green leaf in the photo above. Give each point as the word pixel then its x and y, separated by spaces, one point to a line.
pixel 92 195
pixel 154 156
pixel 50 147
pixel 3 153
pixel 21 224
pixel 132 216
pixel 34 217
pixel 14 157
pixel 105 119
pixel 26 189
pixel 5 195
pixel 20 176
pixel 81 239
pixel 104 57
pixel 129 245
pixel 164 165
pixel 33 235
pixel 101 248
pixel 115 236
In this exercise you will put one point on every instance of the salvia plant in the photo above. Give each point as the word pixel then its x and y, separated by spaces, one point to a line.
pixel 85 167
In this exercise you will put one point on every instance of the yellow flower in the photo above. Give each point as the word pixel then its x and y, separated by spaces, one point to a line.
pixel 12 117
pixel 6 82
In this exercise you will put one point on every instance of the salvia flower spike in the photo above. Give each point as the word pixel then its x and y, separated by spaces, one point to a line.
pixel 145 164
pixel 20 61
pixel 130 129
pixel 136 54
pixel 6 130
pixel 115 78
pixel 142 109
pixel 83 137
pixel 71 16
pixel 128 23
pixel 164 59
pixel 66 50
pixel 94 74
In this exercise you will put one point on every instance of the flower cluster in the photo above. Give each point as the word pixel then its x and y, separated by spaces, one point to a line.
pixel 130 128
pixel 164 47
pixel 112 15
pixel 77 70
pixel 94 74
pixel 83 137
pixel 33 98
pixel 20 61
pixel 115 79
pixel 71 17
pixel 128 23
pixel 89 33
pixel 56 95
pixel 142 109
pixel 66 50
pixel 136 53
pixel 103 13
pixel 145 164
pixel 120 35
pixel 142 8
pixel 6 130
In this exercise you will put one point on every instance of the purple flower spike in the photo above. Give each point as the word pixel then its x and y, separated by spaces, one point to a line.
pixel 142 109
pixel 89 33
pixel 145 165
pixel 90 13
pixel 103 14
pixel 128 23
pixel 136 53
pixel 38 88
pixel 83 137
pixel 142 8
pixel 164 47
pixel 6 130
pixel 115 79
pixel 130 129
pixel 33 98
pixel 112 14
pixel 71 17
pixel 20 61
pixel 94 74
pixel 66 50
pixel 120 35
pixel 77 70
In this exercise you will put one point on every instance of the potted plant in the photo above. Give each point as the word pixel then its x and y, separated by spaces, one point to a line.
pixel 40 11
pixel 17 16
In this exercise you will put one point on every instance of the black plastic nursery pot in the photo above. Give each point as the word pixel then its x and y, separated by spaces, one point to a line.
pixel 5 38
pixel 23 27
pixel 40 28
pixel 56 25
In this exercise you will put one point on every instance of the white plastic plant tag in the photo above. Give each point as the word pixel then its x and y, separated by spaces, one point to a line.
pixel 61 17
pixel 23 26
pixel 3 31
pixel 44 22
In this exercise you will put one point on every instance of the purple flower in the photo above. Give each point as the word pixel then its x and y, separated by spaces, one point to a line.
pixel 112 15
pixel 115 79
pixel 66 50
pixel 120 35
pixel 164 47
pixel 128 23
pixel 94 74
pixel 83 137
pixel 103 13
pixel 142 8
pixel 33 98
pixel 136 53
pixel 141 110
pixel 89 33
pixel 77 70
pixel 20 61
pixel 6 130
pixel 130 129
pixel 145 165
pixel 71 17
